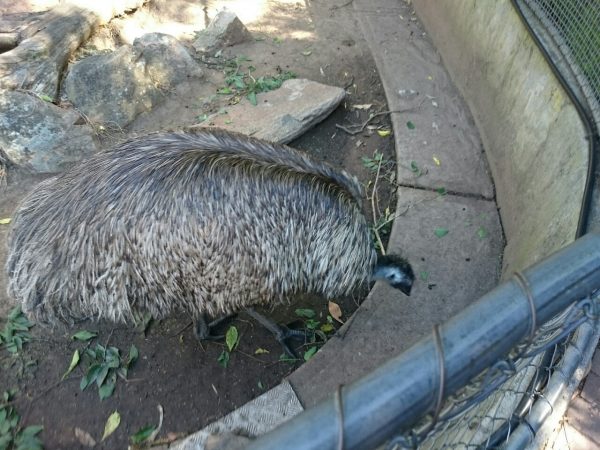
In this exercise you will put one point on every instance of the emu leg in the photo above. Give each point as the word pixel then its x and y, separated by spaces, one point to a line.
pixel 202 328
pixel 281 333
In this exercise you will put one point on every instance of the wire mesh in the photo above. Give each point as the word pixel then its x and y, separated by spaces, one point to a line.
pixel 483 413
pixel 571 30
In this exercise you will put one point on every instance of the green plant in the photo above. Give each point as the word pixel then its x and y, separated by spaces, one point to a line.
pixel 232 339
pixel 12 436
pixel 16 331
pixel 103 365
pixel 240 83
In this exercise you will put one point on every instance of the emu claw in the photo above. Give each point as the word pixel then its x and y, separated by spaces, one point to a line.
pixel 203 328
pixel 281 332
pixel 284 333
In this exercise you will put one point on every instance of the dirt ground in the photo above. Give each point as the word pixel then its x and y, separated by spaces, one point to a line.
pixel 315 40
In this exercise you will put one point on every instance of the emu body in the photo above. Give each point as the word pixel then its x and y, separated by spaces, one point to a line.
pixel 204 221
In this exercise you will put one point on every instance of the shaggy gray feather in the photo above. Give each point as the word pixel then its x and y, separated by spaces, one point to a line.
pixel 203 221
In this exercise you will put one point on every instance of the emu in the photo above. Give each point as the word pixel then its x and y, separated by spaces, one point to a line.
pixel 205 221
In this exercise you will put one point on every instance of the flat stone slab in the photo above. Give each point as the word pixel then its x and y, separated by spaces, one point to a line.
pixel 283 114
pixel 435 131
pixel 451 271
pixel 256 417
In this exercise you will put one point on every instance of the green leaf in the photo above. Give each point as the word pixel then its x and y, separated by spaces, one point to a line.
pixel 482 233
pixel 46 98
pixel 441 191
pixel 90 376
pixel 306 52
pixel 32 430
pixel 223 359
pixel 327 327
pixel 84 335
pixel 133 355
pixel 261 351
pixel 14 313
pixel 415 169
pixel 5 440
pixel 441 232
pixel 102 375
pixel 261 386
pixel 252 98
pixel 306 313
pixel 410 125
pixel 231 338
pixel 312 324
pixel 310 353
pixel 112 423
pixel 142 434
pixel 107 389
pixel 74 362
pixel 112 357
pixel 424 275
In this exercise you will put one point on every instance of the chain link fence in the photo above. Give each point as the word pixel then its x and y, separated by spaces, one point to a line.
pixel 485 412
pixel 570 31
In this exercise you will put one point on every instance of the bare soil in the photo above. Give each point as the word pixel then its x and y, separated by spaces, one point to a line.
pixel 173 369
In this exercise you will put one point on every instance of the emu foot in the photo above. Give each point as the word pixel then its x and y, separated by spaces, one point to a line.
pixel 281 332
pixel 203 329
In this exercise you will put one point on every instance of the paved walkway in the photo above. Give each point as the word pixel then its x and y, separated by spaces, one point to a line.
pixel 580 429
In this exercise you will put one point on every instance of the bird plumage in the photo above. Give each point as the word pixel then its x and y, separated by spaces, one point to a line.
pixel 204 221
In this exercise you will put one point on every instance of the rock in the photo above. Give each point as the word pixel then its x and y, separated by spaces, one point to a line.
pixel 223 31
pixel 116 87
pixel 167 61
pixel 283 114
pixel 45 42
pixel 41 136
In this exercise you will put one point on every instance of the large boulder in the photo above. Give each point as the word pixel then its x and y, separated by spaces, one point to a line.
pixel 114 88
pixel 40 136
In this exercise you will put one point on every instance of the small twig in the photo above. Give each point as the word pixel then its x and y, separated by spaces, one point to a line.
pixel 350 83
pixel 177 333
pixel 373 194
pixel 108 338
pixel 361 127
pixel 248 355
pixel 340 6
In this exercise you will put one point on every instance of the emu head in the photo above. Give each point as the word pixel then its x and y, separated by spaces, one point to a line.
pixel 396 271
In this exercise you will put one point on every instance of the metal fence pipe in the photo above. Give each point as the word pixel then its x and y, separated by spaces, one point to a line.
pixel 395 396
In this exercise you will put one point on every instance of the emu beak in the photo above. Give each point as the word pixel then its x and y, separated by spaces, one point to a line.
pixel 406 288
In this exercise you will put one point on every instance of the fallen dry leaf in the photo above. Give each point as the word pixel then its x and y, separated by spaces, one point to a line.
pixel 112 423
pixel 84 438
pixel 363 106
pixel 335 311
